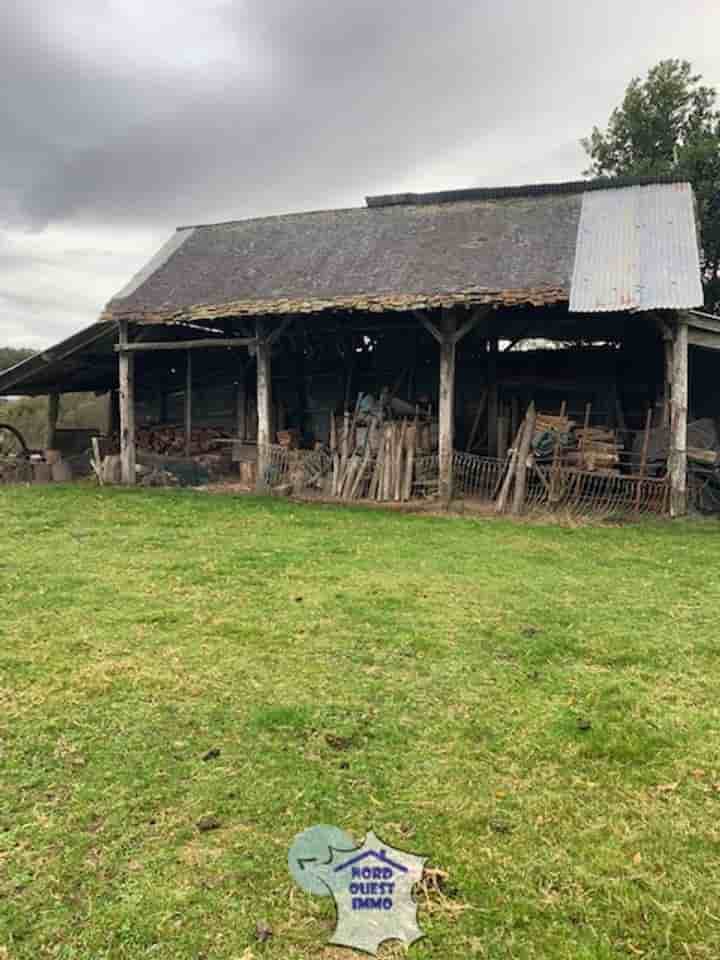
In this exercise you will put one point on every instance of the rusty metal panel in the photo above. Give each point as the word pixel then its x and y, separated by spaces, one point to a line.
pixel 637 249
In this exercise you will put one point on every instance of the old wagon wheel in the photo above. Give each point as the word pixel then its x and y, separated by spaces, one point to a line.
pixel 12 442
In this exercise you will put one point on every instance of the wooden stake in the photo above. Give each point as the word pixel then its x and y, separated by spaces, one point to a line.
pixel 643 457
pixel 502 494
pixel 399 461
pixel 409 461
pixel 555 468
pixel 522 457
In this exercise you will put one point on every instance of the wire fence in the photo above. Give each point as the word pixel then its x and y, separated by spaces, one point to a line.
pixel 477 479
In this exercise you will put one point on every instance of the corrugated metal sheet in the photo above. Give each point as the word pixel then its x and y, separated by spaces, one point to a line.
pixel 637 249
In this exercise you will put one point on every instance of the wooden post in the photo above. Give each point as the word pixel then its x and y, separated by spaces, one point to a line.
pixel 264 405
pixel 53 412
pixel 188 402
pixel 492 396
pixel 447 406
pixel 126 372
pixel 678 420
pixel 668 368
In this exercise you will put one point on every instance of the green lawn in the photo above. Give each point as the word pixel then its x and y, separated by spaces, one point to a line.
pixel 534 708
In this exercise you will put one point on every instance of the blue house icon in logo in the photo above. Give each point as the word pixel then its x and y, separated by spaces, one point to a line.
pixel 371 887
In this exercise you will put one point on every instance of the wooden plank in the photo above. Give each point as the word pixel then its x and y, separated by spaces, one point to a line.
pixel 96 461
pixel 555 466
pixel 703 338
pixel 521 466
pixel 410 461
pixel 643 457
pixel 678 421
pixel 139 346
pixel 703 321
pixel 188 403
pixel 505 483
pixel 52 420
pixel 446 413
pixel 126 374
pixel 264 405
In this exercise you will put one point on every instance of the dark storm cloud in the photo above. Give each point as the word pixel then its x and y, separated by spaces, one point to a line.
pixel 340 98
pixel 122 118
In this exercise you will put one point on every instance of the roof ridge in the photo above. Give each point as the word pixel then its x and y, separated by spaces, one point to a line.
pixel 524 190
pixel 457 196
pixel 271 216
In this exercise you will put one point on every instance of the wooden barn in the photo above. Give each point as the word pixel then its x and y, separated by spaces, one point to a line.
pixel 516 345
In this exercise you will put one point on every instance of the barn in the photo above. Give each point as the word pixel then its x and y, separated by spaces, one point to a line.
pixel 540 344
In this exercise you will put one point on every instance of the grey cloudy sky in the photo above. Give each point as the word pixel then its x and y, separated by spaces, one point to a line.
pixel 123 118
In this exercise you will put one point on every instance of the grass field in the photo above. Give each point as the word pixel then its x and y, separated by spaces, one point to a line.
pixel 533 708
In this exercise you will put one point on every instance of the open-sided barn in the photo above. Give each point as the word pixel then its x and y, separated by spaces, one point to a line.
pixel 508 343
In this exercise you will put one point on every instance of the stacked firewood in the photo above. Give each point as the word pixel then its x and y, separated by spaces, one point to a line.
pixel 598 450
pixel 559 438
pixel 170 440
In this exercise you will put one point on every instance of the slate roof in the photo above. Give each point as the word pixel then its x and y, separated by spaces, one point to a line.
pixel 506 246
pixel 395 257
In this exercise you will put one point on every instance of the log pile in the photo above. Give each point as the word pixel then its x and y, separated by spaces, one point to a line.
pixel 169 441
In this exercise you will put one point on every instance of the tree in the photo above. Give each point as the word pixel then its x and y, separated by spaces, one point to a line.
pixel 9 356
pixel 669 124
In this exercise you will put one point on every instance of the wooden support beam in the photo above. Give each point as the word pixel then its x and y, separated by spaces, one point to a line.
pixel 264 405
pixel 126 373
pixel 188 403
pixel 429 326
pixel 447 405
pixel 139 346
pixel 703 338
pixel 275 334
pixel 52 419
pixel 477 315
pixel 678 420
